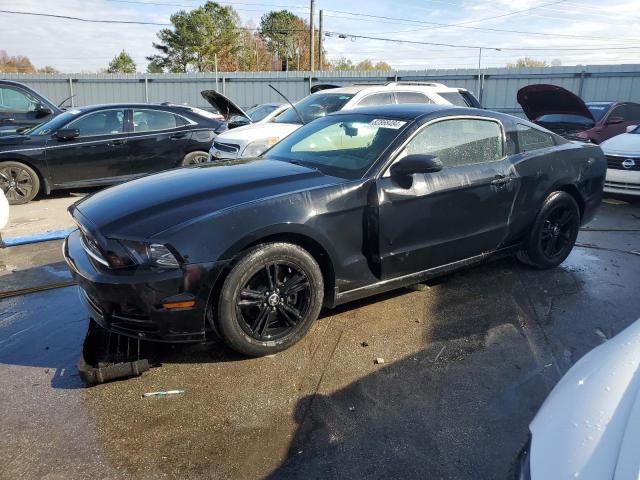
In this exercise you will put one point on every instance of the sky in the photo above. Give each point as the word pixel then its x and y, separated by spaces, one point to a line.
pixel 600 32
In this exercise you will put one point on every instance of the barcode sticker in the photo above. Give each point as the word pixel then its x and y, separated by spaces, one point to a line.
pixel 386 123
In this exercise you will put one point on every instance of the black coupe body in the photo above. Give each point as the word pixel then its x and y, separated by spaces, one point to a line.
pixel 103 145
pixel 352 204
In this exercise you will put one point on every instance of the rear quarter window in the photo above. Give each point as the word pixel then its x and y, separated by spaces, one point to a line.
pixel 530 138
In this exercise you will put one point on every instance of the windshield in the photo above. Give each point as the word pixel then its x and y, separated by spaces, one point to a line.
pixel 343 146
pixel 314 106
pixel 259 112
pixel 54 124
pixel 565 118
pixel 598 110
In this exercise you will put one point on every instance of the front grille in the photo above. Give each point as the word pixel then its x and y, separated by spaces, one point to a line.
pixel 623 186
pixel 616 162
pixel 226 147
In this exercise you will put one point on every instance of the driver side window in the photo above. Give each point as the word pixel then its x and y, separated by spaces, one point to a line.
pixel 107 122
pixel 459 142
pixel 15 101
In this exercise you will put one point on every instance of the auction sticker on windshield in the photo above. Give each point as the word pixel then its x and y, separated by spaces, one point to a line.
pixel 386 123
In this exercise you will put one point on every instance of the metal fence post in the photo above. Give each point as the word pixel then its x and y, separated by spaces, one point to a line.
pixel 581 83
pixel 224 85
pixel 146 89
pixel 71 92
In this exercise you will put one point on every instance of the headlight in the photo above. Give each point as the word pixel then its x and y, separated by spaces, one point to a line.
pixel 154 254
pixel 257 148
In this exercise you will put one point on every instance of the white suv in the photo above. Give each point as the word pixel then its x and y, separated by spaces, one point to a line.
pixel 253 140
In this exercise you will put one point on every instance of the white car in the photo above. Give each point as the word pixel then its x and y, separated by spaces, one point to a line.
pixel 623 159
pixel 4 210
pixel 253 140
pixel 589 426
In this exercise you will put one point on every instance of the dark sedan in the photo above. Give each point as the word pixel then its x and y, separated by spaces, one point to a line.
pixel 352 204
pixel 103 145
pixel 23 107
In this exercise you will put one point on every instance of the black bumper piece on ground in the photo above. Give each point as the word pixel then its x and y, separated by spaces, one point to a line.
pixel 105 358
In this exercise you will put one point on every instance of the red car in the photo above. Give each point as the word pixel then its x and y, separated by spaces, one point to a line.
pixel 564 113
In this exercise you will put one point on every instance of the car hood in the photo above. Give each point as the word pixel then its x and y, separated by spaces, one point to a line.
pixel 625 144
pixel 222 104
pixel 258 131
pixel 589 426
pixel 540 99
pixel 148 206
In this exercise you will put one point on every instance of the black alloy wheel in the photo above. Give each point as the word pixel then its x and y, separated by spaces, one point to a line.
pixel 269 299
pixel 19 182
pixel 554 232
pixel 274 301
pixel 557 232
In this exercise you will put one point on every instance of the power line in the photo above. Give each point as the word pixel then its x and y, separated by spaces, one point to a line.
pixel 129 22
pixel 418 42
pixel 167 4
pixel 88 20
pixel 464 26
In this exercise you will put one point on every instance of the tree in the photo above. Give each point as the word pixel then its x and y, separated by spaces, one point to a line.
pixel 365 65
pixel 122 63
pixel 197 37
pixel 527 62
pixel 17 64
pixel 48 69
pixel 287 37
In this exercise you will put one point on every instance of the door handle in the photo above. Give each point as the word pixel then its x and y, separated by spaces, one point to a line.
pixel 118 142
pixel 177 136
pixel 501 181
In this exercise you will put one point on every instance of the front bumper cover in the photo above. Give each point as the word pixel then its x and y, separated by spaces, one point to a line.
pixel 129 301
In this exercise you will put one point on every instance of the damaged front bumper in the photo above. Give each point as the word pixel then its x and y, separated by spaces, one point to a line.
pixel 130 302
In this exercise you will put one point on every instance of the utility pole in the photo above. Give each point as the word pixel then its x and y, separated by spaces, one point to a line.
pixel 320 43
pixel 312 50
pixel 479 70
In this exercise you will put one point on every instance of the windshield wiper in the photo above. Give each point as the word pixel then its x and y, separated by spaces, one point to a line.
pixel 306 165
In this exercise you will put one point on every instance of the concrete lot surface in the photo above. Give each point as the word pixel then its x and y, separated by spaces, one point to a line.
pixel 467 363
pixel 43 215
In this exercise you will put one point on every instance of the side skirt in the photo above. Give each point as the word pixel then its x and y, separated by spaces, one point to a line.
pixel 413 278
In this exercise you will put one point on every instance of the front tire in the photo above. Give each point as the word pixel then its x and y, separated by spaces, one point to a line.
pixel 195 158
pixel 554 232
pixel 270 299
pixel 19 182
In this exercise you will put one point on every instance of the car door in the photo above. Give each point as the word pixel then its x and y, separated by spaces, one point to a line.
pixel 98 156
pixel 462 211
pixel 18 108
pixel 616 122
pixel 159 141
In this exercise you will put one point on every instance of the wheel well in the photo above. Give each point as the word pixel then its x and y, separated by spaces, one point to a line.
pixel 573 191
pixel 44 185
pixel 316 250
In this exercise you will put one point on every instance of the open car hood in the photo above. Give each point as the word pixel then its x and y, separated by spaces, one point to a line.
pixel 222 104
pixel 540 99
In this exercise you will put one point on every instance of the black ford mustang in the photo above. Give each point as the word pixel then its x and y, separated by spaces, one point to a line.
pixel 349 205
pixel 103 145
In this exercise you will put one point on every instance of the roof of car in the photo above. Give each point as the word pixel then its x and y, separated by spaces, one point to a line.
pixel 160 106
pixel 392 86
pixel 404 111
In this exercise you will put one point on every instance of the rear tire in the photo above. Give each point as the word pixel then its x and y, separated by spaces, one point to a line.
pixel 19 182
pixel 270 299
pixel 554 232
pixel 195 158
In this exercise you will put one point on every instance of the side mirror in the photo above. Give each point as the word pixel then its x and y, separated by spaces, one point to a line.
pixel 631 128
pixel 614 120
pixel 417 163
pixel 42 111
pixel 67 133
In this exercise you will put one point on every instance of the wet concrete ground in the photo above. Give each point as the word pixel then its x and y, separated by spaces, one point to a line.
pixel 468 361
